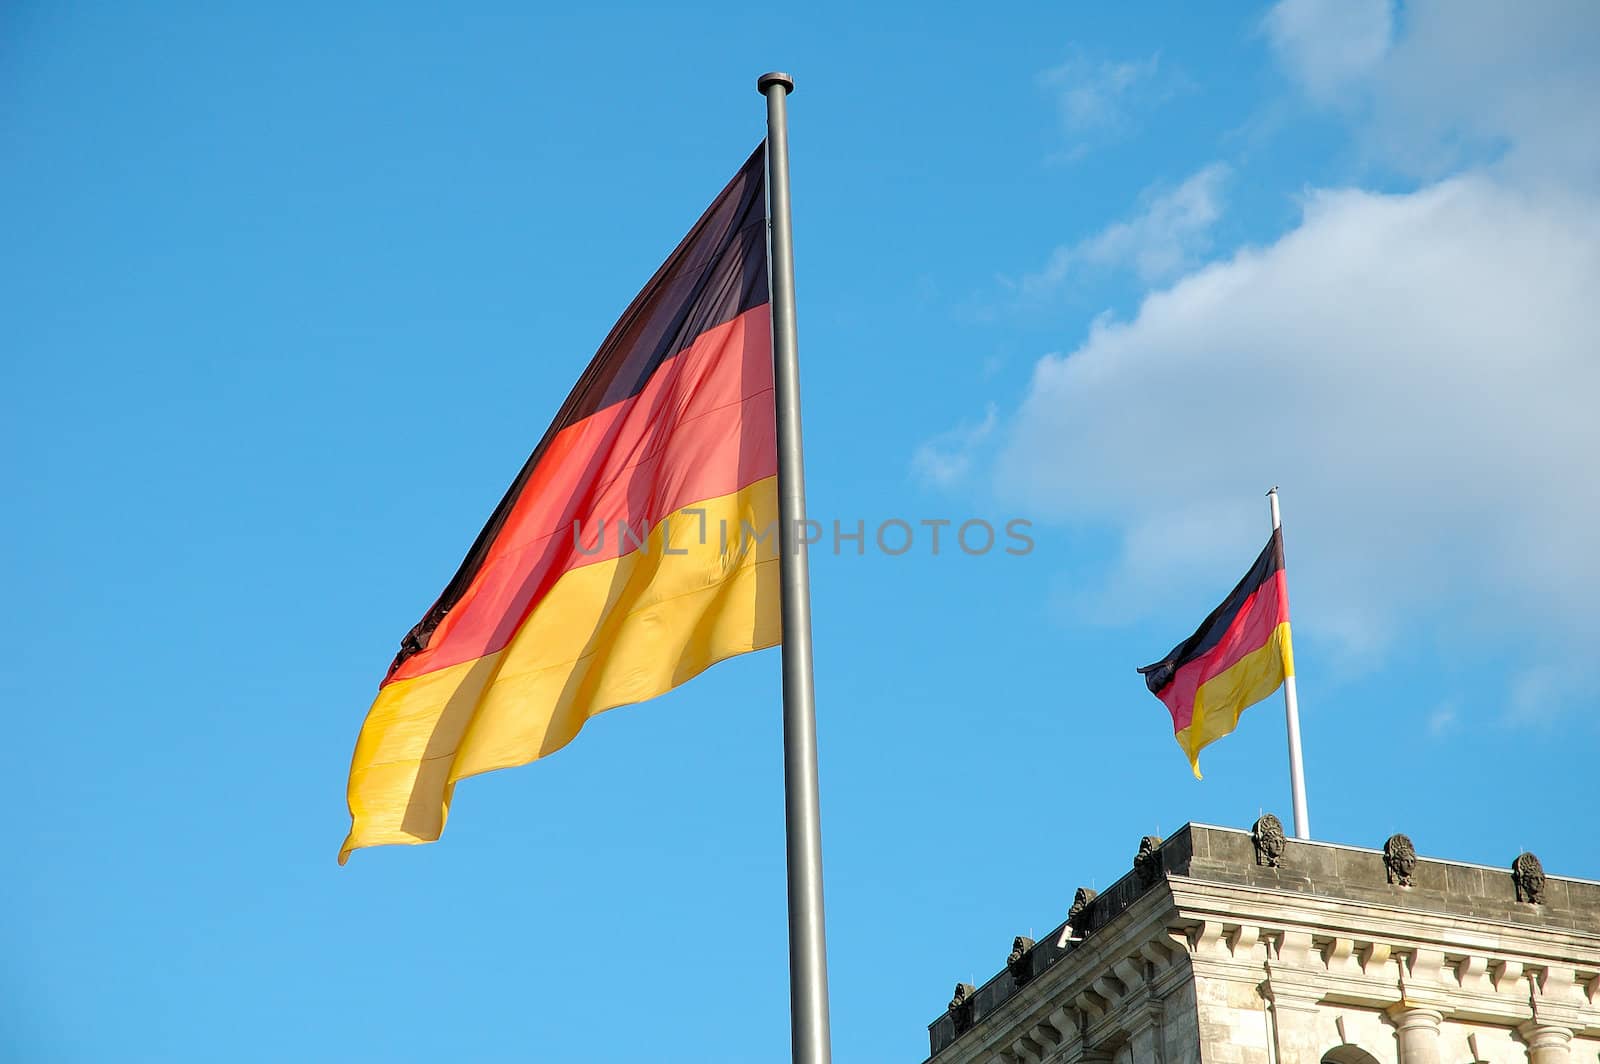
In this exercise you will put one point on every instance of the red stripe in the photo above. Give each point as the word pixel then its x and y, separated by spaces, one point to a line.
pixel 1265 609
pixel 703 426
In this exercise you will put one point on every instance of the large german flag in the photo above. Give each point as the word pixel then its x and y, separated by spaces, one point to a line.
pixel 627 555
pixel 1240 655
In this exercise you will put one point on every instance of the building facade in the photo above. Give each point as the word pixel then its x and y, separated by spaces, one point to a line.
pixel 1231 947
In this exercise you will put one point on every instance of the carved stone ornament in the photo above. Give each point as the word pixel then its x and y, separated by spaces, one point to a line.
pixel 1400 858
pixel 1080 902
pixel 961 1007
pixel 1017 963
pixel 1267 834
pixel 1147 863
pixel 1528 875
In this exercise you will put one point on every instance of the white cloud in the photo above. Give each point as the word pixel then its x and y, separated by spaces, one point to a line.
pixel 1097 95
pixel 1171 231
pixel 1473 79
pixel 947 458
pixel 1328 46
pixel 1542 693
pixel 1418 372
pixel 1464 81
pixel 1442 720
pixel 1101 100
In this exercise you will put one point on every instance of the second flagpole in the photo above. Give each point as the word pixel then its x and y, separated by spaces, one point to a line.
pixel 1291 712
pixel 808 951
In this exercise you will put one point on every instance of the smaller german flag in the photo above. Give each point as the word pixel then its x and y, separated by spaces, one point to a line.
pixel 1238 656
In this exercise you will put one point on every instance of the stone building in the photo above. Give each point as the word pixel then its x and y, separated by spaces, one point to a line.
pixel 1230 947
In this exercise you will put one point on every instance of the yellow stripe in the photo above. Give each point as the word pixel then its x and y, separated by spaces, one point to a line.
pixel 607 634
pixel 1221 699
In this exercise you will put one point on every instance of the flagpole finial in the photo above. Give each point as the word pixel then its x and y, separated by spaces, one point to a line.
pixel 774 77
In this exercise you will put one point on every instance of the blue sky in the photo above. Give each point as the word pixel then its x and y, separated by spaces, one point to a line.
pixel 293 290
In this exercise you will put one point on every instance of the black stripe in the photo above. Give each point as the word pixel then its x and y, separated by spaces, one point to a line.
pixel 717 272
pixel 1211 630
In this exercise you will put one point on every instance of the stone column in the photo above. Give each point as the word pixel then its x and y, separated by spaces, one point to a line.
pixel 1419 1033
pixel 1547 1043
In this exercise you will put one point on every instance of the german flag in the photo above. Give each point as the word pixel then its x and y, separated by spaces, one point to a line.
pixel 629 554
pixel 1240 655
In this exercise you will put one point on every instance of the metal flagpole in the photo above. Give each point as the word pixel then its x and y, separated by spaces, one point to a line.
pixel 808 953
pixel 1291 709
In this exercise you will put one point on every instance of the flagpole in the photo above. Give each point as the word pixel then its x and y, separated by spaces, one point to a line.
pixel 1291 709
pixel 808 954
